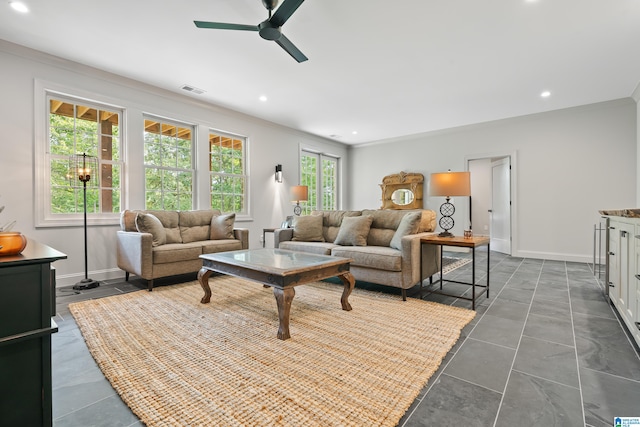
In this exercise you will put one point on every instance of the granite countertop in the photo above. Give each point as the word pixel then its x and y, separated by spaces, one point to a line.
pixel 628 213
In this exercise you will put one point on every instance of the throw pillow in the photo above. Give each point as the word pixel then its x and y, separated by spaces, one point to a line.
pixel 408 225
pixel 222 226
pixel 354 230
pixel 307 228
pixel 149 223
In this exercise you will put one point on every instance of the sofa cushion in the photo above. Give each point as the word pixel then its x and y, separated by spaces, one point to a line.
pixel 171 223
pixel 331 222
pixel 354 231
pixel 195 225
pixel 149 223
pixel 222 226
pixel 175 252
pixel 318 248
pixel 384 226
pixel 307 228
pixel 408 225
pixel 378 257
pixel 211 246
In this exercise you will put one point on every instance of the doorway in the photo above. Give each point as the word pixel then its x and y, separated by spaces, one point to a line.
pixel 491 205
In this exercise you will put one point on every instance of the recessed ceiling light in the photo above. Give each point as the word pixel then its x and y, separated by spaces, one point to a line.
pixel 355 132
pixel 18 6
pixel 263 98
pixel 545 94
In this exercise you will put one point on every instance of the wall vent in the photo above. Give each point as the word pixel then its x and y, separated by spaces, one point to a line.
pixel 193 89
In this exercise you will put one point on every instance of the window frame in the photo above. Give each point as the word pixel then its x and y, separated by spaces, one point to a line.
pixel 43 217
pixel 193 170
pixel 245 213
pixel 320 156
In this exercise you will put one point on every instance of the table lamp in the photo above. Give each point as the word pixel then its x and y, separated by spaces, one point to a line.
pixel 299 193
pixel 449 184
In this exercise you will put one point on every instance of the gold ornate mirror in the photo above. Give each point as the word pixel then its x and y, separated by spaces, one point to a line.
pixel 402 191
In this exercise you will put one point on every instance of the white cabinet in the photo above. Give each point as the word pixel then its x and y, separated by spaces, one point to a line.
pixel 624 270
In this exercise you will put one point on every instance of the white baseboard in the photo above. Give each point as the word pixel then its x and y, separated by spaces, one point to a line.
pixel 553 256
pixel 71 279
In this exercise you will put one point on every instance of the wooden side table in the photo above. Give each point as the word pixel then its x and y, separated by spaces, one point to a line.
pixel 466 242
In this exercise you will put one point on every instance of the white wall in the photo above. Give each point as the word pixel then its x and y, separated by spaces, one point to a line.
pixel 636 98
pixel 269 144
pixel 570 163
pixel 481 180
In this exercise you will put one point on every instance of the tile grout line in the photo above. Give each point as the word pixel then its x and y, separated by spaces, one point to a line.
pixel 506 384
pixel 575 347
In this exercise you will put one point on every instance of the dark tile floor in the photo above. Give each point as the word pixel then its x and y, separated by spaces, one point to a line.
pixel 545 349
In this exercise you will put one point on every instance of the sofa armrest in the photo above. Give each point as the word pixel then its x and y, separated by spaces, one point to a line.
pixel 242 234
pixel 282 235
pixel 416 256
pixel 134 253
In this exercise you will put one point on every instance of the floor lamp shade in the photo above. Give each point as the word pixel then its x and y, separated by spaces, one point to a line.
pixel 449 184
pixel 299 193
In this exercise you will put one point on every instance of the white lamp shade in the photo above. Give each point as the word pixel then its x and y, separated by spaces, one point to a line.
pixel 450 184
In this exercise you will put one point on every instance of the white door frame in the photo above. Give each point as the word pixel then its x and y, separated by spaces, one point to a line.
pixel 513 189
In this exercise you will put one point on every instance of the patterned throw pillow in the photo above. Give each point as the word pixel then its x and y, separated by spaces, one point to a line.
pixel 354 231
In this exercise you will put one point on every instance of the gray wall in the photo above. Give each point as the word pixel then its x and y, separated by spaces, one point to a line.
pixel 568 164
pixel 269 144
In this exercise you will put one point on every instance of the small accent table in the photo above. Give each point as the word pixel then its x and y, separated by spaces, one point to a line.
pixel 466 242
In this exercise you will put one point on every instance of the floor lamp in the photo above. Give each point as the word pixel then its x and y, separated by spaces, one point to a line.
pixel 81 167
pixel 449 184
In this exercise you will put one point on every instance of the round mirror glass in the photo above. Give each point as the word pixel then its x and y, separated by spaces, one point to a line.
pixel 402 197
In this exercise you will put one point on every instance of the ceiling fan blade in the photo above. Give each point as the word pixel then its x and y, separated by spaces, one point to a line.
pixel 291 49
pixel 225 26
pixel 284 12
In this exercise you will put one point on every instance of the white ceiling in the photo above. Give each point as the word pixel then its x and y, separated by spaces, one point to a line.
pixel 382 68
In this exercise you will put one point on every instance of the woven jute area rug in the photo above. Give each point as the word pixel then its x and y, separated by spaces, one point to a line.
pixel 177 362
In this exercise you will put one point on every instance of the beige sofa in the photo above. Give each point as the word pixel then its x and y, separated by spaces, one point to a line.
pixel 154 244
pixel 388 252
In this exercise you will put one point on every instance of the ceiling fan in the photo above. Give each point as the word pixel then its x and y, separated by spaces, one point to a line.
pixel 270 29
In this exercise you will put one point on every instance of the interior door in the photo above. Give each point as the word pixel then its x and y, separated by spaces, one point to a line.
pixel 500 213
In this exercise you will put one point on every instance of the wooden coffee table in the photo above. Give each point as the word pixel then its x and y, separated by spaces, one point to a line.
pixel 280 269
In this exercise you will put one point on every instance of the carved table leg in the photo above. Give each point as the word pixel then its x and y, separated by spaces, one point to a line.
pixel 349 281
pixel 284 297
pixel 203 278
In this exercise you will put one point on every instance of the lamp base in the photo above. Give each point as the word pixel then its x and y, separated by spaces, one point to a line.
pixel 86 284
pixel 445 234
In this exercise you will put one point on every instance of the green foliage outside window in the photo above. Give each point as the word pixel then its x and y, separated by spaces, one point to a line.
pixel 168 163
pixel 78 128
pixel 228 178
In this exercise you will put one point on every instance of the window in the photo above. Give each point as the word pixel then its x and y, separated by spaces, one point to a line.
pixel 76 127
pixel 227 165
pixel 168 165
pixel 320 173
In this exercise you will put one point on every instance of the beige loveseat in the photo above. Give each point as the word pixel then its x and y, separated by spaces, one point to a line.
pixel 153 244
pixel 387 252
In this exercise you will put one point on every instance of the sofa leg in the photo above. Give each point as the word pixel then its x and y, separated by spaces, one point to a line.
pixel 404 294
pixel 150 285
pixel 126 276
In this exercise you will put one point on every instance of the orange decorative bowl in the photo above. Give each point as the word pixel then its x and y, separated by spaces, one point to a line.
pixel 12 243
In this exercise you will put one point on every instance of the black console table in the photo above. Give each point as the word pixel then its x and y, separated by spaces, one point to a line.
pixel 26 295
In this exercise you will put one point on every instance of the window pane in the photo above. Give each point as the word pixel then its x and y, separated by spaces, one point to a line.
pixel 168 157
pixel 80 128
pixel 228 175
